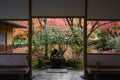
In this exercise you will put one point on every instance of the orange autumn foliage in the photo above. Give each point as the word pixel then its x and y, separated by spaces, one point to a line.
pixel 21 33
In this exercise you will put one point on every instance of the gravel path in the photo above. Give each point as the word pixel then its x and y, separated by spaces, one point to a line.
pixel 71 75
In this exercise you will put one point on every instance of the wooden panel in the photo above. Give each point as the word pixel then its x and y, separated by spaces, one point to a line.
pixel 9 48
pixel 59 8
pixel 9 35
pixel 103 9
pixel 2 28
pixel 14 9
pixel 2 48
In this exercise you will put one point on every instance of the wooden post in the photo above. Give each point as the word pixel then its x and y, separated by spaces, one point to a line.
pixel 30 39
pixel 85 40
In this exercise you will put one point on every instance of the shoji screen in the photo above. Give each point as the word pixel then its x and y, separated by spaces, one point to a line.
pixel 14 9
pixel 58 8
pixel 103 9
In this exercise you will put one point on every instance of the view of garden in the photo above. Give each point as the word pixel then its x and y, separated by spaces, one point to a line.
pixel 103 37
pixel 20 38
pixel 60 41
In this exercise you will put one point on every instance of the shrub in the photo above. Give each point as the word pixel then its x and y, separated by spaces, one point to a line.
pixel 74 64
pixel 41 64
pixel 34 64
